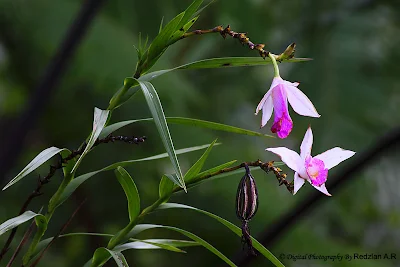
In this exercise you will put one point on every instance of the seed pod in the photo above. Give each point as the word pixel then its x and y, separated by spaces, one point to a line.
pixel 246 197
pixel 246 207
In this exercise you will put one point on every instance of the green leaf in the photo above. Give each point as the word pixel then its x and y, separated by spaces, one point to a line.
pixel 131 192
pixel 161 25
pixel 101 253
pixel 264 251
pixel 233 62
pixel 118 99
pixel 187 121
pixel 41 223
pixel 144 244
pixel 201 9
pixel 217 168
pixel 67 168
pixel 142 227
pixel 160 43
pixel 167 244
pixel 99 121
pixel 124 93
pixel 166 186
pixel 196 168
pixel 16 221
pixel 189 13
pixel 43 156
pixel 159 118
pixel 75 183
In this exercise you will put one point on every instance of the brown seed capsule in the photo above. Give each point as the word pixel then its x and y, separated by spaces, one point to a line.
pixel 246 206
pixel 246 197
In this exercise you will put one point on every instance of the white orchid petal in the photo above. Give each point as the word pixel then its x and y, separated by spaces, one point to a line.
pixel 298 182
pixel 306 145
pixel 289 157
pixel 291 84
pixel 300 102
pixel 321 188
pixel 334 156
pixel 267 111
pixel 261 104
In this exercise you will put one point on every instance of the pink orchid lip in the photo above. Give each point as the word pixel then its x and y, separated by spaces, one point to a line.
pixel 283 124
pixel 316 171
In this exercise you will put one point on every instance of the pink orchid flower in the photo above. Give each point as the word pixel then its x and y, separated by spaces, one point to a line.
pixel 277 98
pixel 313 169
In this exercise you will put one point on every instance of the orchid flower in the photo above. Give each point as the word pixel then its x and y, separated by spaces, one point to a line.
pixel 313 169
pixel 277 98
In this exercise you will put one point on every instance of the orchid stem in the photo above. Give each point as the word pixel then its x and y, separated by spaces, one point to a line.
pixel 276 68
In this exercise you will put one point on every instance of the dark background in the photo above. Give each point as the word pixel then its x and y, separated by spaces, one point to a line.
pixel 353 82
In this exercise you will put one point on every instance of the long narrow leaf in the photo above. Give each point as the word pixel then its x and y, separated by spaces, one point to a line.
pixel 224 62
pixel 131 192
pixel 264 251
pixel 16 221
pixel 99 121
pixel 187 121
pixel 210 63
pixel 196 168
pixel 189 12
pixel 159 118
pixel 101 256
pixel 167 244
pixel 142 227
pixel 75 183
pixel 43 156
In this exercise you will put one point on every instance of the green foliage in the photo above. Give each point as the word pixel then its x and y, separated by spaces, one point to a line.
pixel 142 227
pixel 99 122
pixel 16 221
pixel 131 192
pixel 103 253
pixel 41 227
pixel 185 121
pixel 166 187
pixel 43 156
pixel 196 168
pixel 230 226
pixel 159 118
pixel 75 183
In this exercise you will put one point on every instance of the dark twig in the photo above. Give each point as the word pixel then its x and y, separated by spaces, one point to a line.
pixel 244 40
pixel 22 243
pixel 58 234
pixel 53 168
pixel 267 167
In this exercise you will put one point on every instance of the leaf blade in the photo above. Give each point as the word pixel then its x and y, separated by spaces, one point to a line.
pixel 142 227
pixel 41 158
pixel 196 168
pixel 131 192
pixel 157 112
pixel 99 121
pixel 102 255
pixel 16 221
pixel 76 182
pixel 191 122
pixel 230 226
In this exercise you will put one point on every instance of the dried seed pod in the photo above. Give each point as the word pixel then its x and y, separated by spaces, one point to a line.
pixel 246 197
pixel 246 206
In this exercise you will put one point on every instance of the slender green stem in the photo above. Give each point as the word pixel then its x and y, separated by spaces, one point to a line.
pixel 276 68
pixel 122 235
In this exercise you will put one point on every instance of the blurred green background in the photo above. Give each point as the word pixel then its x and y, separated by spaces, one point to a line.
pixel 353 82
